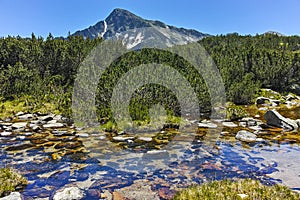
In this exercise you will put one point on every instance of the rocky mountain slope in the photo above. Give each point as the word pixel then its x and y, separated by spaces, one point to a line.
pixel 135 31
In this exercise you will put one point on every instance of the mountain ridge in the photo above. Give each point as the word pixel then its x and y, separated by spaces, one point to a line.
pixel 134 30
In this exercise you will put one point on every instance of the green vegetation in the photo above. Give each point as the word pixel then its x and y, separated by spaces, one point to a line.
pixel 10 180
pixel 248 63
pixel 38 74
pixel 243 189
pixel 234 112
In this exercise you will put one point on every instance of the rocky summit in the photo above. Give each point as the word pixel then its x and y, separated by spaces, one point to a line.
pixel 136 32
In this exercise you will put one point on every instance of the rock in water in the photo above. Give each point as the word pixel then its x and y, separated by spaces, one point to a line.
pixel 273 118
pixel 13 196
pixel 246 136
pixel 71 193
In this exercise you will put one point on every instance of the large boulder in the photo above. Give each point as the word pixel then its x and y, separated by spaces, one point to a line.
pixel 273 118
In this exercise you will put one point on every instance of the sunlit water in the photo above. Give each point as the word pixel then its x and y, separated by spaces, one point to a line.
pixel 51 161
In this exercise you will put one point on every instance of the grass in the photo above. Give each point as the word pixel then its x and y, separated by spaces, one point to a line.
pixel 10 180
pixel 243 189
pixel 25 104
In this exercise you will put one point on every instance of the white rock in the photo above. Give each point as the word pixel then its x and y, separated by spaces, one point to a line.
pixel 54 125
pixel 20 113
pixel 71 193
pixel 19 125
pixel 13 196
pixel 26 116
pixel 145 139
pixel 52 121
pixel 5 133
pixel 58 117
pixel 229 124
pixel 156 152
pixel 21 137
pixel 263 109
pixel 122 139
pixel 83 135
pixel 246 136
pixel 256 128
pixel 207 125
pixel 102 137
pixel 46 118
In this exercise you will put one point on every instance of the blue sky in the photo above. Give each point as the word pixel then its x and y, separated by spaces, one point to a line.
pixel 20 17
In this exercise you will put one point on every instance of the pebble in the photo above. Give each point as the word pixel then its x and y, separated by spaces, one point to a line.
pixel 207 125
pixel 83 135
pixel 54 125
pixel 145 139
pixel 102 137
pixel 5 134
pixel 122 139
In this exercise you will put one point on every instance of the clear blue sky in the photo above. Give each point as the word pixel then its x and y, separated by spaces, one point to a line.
pixel 22 17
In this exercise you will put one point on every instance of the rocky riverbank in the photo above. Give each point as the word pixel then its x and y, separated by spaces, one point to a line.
pixel 59 159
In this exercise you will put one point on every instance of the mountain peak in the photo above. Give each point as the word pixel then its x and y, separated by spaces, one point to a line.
pixel 134 30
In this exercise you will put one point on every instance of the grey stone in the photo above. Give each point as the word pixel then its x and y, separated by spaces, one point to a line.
pixel 273 118
pixel 3 134
pixel 207 124
pixel 19 125
pixel 57 117
pixel 46 118
pixel 229 124
pixel 102 137
pixel 122 139
pixel 26 117
pixel 53 121
pixel 59 133
pixel 145 139
pixel 36 128
pixel 20 113
pixel 54 125
pixel 12 196
pixel 246 136
pixel 71 193
pixel 256 128
pixel 83 135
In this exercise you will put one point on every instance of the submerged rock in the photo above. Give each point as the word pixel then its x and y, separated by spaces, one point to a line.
pixel 273 118
pixel 246 136
pixel 207 124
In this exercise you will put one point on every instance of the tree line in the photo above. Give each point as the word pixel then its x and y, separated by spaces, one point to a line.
pixel 44 70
